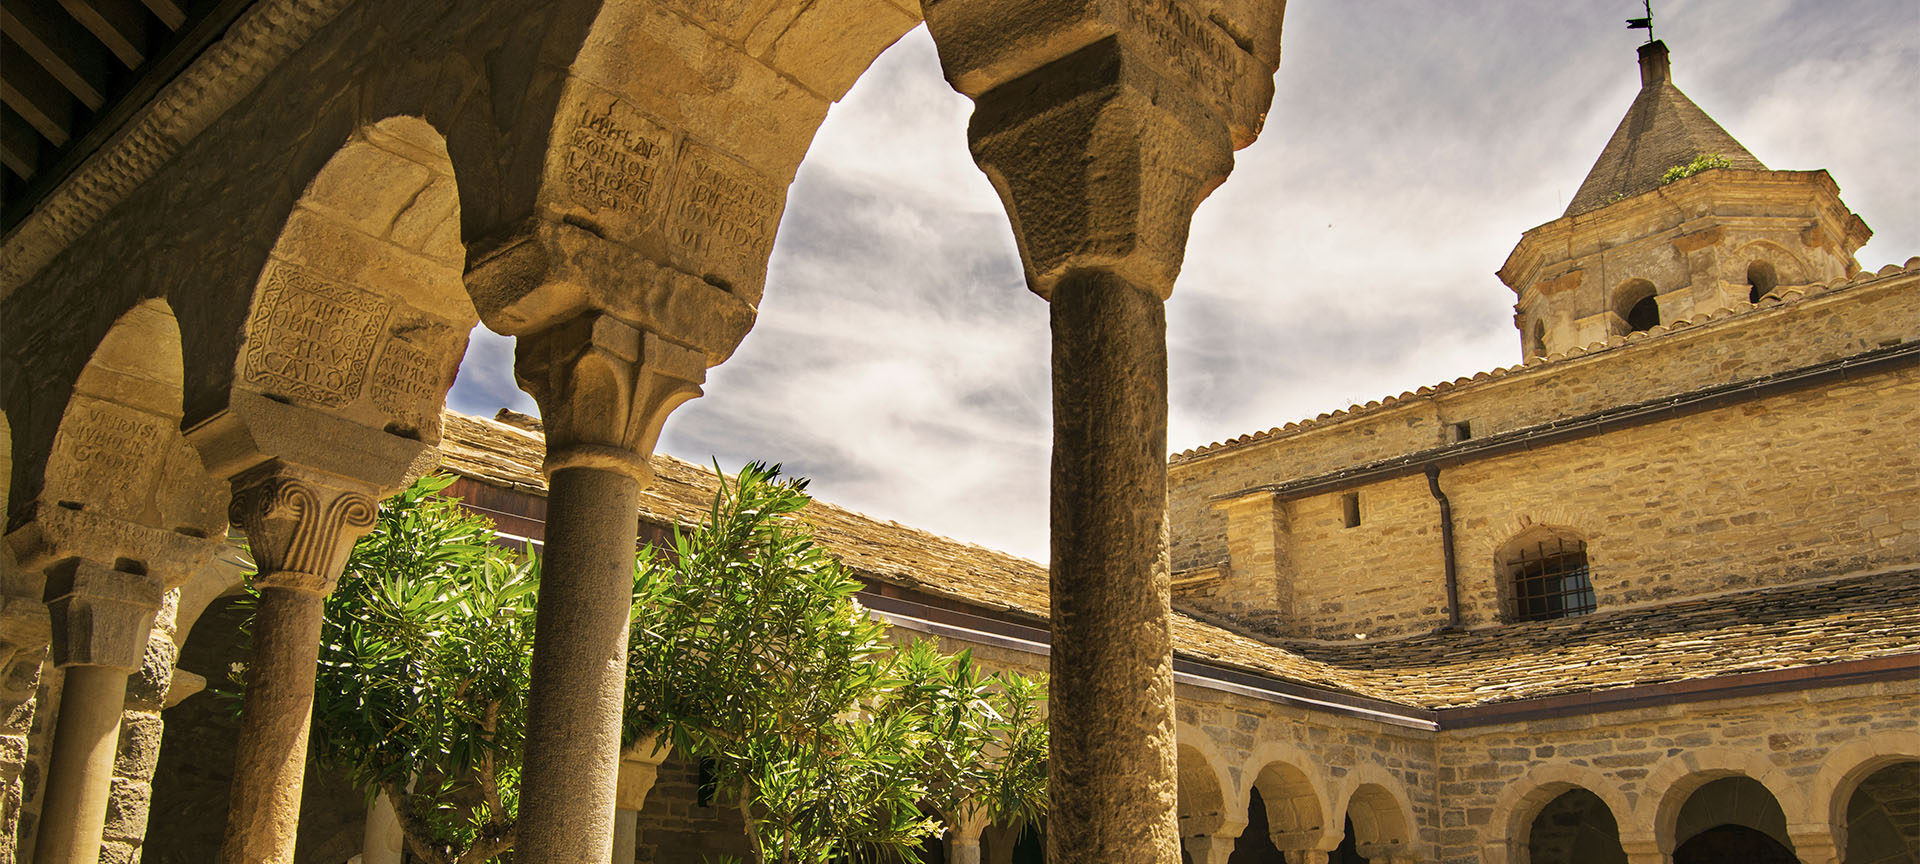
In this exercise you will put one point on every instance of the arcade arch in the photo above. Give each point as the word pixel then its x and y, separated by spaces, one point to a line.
pixel 1592 807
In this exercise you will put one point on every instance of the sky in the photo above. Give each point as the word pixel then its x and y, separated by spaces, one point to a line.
pixel 900 363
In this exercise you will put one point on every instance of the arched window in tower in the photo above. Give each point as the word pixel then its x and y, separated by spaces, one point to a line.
pixel 1547 577
pixel 1761 279
pixel 1636 305
pixel 1537 339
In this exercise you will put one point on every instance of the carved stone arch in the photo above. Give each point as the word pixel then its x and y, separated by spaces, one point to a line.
pixel 120 483
pixel 1293 784
pixel 672 140
pixel 358 318
pixel 1382 814
pixel 1522 800
pixel 1675 780
pixel 1829 791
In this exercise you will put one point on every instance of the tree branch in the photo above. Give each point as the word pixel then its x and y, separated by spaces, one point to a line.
pixel 419 836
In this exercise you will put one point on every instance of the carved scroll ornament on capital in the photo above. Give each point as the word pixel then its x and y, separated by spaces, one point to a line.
pixel 300 533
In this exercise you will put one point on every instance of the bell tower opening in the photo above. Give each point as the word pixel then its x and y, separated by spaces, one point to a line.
pixel 1761 279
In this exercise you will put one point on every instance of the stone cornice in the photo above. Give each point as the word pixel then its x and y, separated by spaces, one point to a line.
pixel 263 36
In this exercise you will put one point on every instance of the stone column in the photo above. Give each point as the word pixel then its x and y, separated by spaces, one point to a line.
pixel 626 835
pixel 1645 850
pixel 1209 850
pixel 100 621
pixel 300 526
pixel 605 387
pixel 1815 843
pixel 1103 126
pixel 383 840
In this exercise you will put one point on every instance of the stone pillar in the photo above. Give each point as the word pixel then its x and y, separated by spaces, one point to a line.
pixel 1209 850
pixel 300 526
pixel 383 840
pixel 605 387
pixel 963 837
pixel 1645 850
pixel 1103 126
pixel 626 836
pixel 1815 843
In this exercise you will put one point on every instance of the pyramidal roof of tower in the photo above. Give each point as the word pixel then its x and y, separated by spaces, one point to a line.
pixel 1663 128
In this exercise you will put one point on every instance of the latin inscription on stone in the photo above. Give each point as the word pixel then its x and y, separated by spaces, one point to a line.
pixel 1188 43
pixel 104 449
pixel 723 216
pixel 311 339
pixel 409 379
pixel 616 160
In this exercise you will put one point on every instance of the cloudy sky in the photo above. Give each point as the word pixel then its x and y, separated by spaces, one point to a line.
pixel 900 362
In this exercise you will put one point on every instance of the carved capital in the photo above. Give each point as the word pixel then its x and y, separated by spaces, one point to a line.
pixel 1100 161
pixel 100 615
pixel 300 526
pixel 605 389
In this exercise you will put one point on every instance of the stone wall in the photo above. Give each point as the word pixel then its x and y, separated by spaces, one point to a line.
pixel 1794 485
pixel 1806 748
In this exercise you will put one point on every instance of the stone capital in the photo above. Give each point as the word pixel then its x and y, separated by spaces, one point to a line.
pixel 100 615
pixel 300 524
pixel 1100 161
pixel 605 389
pixel 1214 849
pixel 639 768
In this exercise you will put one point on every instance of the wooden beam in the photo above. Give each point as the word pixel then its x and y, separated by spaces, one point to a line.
pixel 169 12
pixel 19 144
pixel 28 89
pixel 71 55
pixel 121 25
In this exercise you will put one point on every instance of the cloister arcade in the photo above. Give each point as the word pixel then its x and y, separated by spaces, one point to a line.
pixel 249 310
pixel 1283 805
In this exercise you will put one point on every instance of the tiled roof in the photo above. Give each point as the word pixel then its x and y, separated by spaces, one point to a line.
pixel 1806 624
pixel 1784 297
pixel 1774 628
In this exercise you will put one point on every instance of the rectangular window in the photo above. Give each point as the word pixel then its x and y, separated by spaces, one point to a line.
pixel 1350 509
pixel 1461 431
pixel 1550 581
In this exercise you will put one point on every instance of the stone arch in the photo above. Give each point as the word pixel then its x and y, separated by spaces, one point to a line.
pixel 1292 783
pixel 1830 790
pixel 359 314
pixel 1204 788
pixel 1522 800
pixel 119 463
pixel 1780 264
pixel 674 137
pixel 1377 804
pixel 1636 305
pixel 1676 779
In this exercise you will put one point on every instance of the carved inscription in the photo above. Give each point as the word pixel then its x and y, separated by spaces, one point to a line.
pixel 311 339
pixel 723 216
pixel 614 158
pixel 1188 43
pixel 103 451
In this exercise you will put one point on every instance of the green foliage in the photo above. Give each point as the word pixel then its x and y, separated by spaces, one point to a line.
pixel 749 649
pixel 1702 162
pixel 423 672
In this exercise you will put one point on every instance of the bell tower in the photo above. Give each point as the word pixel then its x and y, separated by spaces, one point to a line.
pixel 1676 220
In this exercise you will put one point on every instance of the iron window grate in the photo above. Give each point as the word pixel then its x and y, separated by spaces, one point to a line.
pixel 1550 581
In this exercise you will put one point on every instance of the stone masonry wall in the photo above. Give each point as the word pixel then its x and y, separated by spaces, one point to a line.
pixel 1767 339
pixel 1804 485
pixel 1643 763
pixel 1798 485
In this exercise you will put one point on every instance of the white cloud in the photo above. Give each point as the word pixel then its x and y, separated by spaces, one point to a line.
pixel 901 363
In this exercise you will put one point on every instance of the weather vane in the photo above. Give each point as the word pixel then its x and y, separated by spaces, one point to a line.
pixel 1643 23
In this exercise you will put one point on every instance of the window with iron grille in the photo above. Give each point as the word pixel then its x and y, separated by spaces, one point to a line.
pixel 1549 579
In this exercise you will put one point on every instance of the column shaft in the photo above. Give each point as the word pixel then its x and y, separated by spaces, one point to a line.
pixel 1112 781
pixel 80 774
pixel 579 668
pixel 270 761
